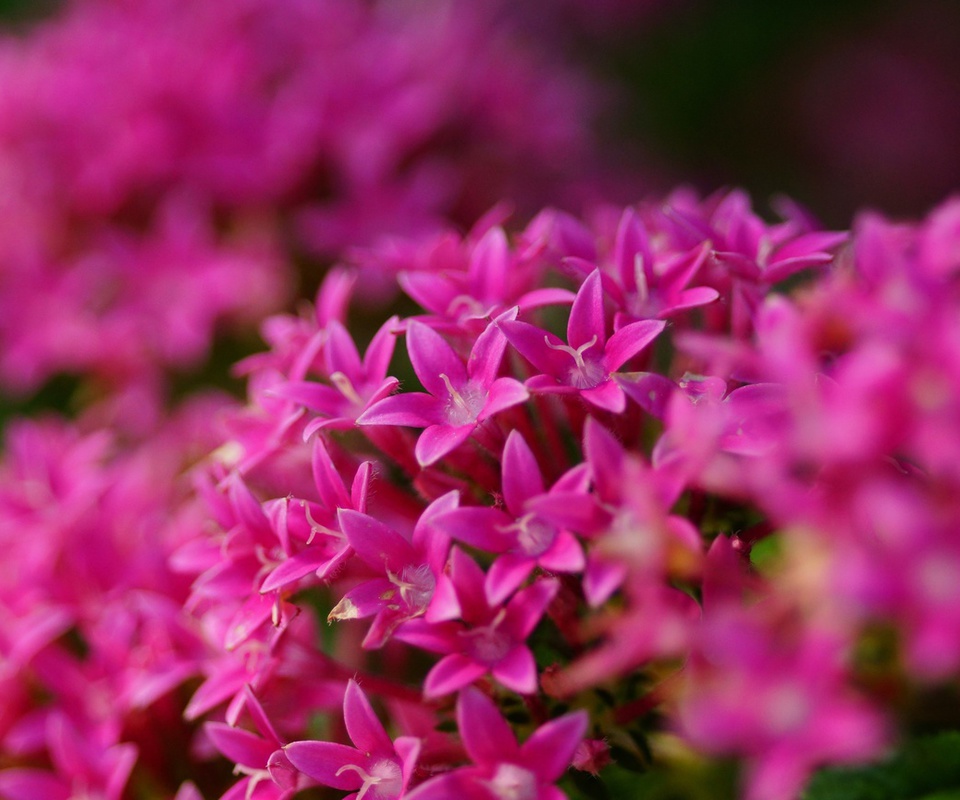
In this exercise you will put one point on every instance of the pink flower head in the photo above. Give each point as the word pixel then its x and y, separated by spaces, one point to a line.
pixel 375 768
pixel 406 572
pixel 501 767
pixel 459 397
pixel 523 538
pixel 490 639
pixel 585 364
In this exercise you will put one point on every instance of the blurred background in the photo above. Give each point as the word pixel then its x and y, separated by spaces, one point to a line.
pixel 839 103
pixel 147 149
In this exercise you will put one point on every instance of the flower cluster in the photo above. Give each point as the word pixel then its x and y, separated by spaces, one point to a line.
pixel 607 482
pixel 93 639
pixel 165 163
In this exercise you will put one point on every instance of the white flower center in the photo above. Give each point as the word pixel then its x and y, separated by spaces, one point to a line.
pixel 416 585
pixel 534 536
pixel 383 782
pixel 583 374
pixel 513 782
pixel 464 407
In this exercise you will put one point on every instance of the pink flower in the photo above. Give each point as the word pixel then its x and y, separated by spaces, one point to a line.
pixel 586 363
pixel 459 397
pixel 490 638
pixel 376 768
pixel 502 768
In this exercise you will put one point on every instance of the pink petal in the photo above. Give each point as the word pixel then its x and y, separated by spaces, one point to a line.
pixel 527 606
pixel 468 579
pixel 545 297
pixel 564 555
pixel 487 737
pixel 239 745
pixel 294 568
pixel 326 477
pixel 608 396
pixel 378 545
pixel 444 604
pixel 322 760
pixel 531 342
pixel 506 575
pixel 316 396
pixel 504 393
pixel 414 409
pixel 341 352
pixel 363 726
pixel 521 473
pixel 451 673
pixel 376 361
pixel 487 352
pixel 601 580
pixel 517 671
pixel 363 601
pixel 482 528
pixel 432 357
pixel 489 264
pixel 630 340
pixel 587 319
pixel 550 749
pixel 440 440
pixel 649 390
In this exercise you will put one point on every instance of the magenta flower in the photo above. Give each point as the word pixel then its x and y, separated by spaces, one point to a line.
pixel 406 572
pixel 523 538
pixel 493 279
pixel 376 768
pixel 354 385
pixel 268 774
pixel 459 397
pixel 586 363
pixel 490 638
pixel 643 286
pixel 501 767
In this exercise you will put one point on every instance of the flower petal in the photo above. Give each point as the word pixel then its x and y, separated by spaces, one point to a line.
pixel 439 440
pixel 451 673
pixel 517 671
pixel 487 736
pixel 550 749
pixel 363 726
pixel 323 760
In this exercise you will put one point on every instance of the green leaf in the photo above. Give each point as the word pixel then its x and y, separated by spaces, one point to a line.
pixel 926 768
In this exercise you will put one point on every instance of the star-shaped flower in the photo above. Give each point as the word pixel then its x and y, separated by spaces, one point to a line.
pixel 587 362
pixel 459 396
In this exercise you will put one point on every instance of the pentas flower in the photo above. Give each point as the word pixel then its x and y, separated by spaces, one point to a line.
pixel 268 773
pixel 585 364
pixel 354 385
pixel 375 768
pixel 644 284
pixel 524 538
pixel 492 279
pixel 407 572
pixel 583 480
pixel 502 768
pixel 485 638
pixel 459 396
pixel 760 688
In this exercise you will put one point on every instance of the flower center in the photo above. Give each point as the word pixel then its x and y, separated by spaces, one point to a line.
pixel 583 374
pixel 416 585
pixel 534 536
pixel 488 644
pixel 383 782
pixel 513 782
pixel 464 406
